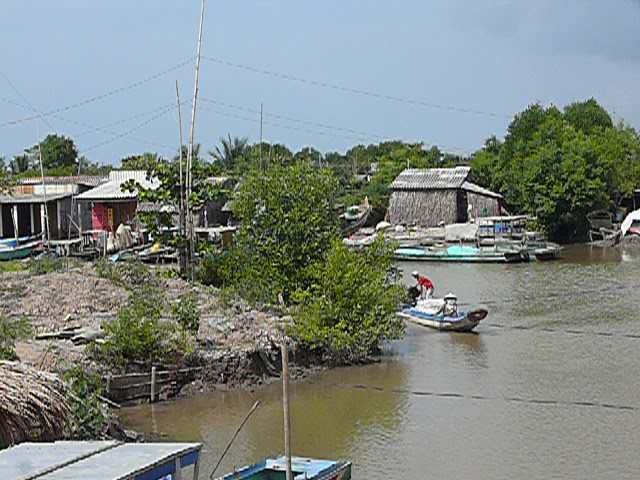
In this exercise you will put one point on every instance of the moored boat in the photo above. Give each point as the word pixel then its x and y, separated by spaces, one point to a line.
pixel 303 469
pixel 19 251
pixel 442 314
pixel 462 253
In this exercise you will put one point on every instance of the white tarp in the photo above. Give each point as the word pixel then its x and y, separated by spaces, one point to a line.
pixel 461 231
pixel 628 221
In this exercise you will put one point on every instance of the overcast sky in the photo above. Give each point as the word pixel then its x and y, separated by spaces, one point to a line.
pixel 445 72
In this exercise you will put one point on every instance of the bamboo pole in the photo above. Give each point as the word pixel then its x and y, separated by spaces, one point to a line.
pixel 183 262
pixel 191 138
pixel 285 406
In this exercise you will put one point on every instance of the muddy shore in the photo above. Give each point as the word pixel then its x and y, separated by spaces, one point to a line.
pixel 237 346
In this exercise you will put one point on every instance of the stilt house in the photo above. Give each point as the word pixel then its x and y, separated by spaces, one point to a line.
pixel 429 197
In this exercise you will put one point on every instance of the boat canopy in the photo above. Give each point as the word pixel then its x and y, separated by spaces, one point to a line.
pixel 628 221
pixel 106 460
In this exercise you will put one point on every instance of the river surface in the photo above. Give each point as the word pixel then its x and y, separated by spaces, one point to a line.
pixel 548 387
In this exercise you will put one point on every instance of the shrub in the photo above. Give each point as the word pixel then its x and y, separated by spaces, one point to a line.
pixel 186 313
pixel 12 266
pixel 46 264
pixel 213 269
pixel 138 334
pixel 351 307
pixel 288 223
pixel 12 330
pixel 129 275
pixel 83 396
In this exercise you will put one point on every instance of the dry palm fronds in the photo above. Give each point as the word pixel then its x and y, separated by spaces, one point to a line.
pixel 32 405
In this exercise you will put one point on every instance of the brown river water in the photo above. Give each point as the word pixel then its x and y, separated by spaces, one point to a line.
pixel 547 388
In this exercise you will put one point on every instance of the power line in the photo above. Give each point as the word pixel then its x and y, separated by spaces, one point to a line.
pixel 287 127
pixel 357 135
pixel 341 88
pixel 130 131
pixel 104 128
pixel 102 96
pixel 296 120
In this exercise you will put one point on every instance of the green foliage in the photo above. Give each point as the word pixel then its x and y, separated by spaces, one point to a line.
pixel 287 224
pixel 139 335
pixel 560 166
pixel 230 152
pixel 12 330
pixel 146 161
pixel 13 266
pixel 214 268
pixel 350 308
pixel 46 264
pixel 129 275
pixel 186 313
pixel 83 396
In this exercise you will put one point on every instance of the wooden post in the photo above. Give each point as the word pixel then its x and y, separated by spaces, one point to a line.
pixel 178 474
pixel 1 225
pixel 31 215
pixel 107 389
pixel 79 221
pixel 14 217
pixel 196 469
pixel 285 405
pixel 153 384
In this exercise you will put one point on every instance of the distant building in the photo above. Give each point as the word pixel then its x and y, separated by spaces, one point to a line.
pixel 24 207
pixel 429 197
pixel 110 204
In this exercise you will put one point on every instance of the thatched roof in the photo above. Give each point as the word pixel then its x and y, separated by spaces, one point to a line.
pixel 431 178
pixel 32 405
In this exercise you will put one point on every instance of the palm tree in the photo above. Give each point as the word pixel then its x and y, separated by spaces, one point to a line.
pixel 230 151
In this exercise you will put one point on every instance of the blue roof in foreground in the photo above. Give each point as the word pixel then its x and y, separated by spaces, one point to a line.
pixel 105 460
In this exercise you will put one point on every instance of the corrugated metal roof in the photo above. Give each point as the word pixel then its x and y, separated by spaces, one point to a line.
pixel 112 190
pixel 106 460
pixel 89 180
pixel 431 178
pixel 473 188
pixel 8 199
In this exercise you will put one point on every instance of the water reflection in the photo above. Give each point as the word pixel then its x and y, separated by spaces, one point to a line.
pixel 331 416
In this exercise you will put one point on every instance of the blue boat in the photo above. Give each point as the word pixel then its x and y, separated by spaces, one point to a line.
pixel 433 313
pixel 462 253
pixel 303 469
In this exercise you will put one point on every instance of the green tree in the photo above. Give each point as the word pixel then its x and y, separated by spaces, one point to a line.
pixel 58 151
pixel 230 151
pixel 350 307
pixel 587 116
pixel 288 223
pixel 146 161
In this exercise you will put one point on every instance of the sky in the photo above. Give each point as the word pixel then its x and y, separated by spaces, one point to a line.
pixel 339 72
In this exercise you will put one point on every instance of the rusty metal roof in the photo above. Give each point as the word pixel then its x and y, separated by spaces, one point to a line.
pixel 431 178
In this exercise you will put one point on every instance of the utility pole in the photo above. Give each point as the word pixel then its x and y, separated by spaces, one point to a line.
pixel 183 263
pixel 261 165
pixel 191 232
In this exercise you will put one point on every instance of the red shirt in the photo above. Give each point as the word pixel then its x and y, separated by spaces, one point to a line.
pixel 425 282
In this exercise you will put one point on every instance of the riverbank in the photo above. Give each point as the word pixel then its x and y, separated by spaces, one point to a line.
pixel 236 345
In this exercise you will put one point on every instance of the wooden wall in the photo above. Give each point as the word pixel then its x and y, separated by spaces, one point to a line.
pixel 424 208
pixel 483 206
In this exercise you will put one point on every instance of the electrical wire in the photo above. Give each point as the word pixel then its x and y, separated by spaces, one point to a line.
pixel 341 88
pixel 102 96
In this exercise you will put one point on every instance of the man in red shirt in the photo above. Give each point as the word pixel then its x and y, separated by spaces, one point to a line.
pixel 425 285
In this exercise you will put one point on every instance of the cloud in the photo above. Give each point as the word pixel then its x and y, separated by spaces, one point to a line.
pixel 588 27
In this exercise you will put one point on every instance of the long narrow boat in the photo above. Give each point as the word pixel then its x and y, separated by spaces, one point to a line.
pixel 303 469
pixel 428 313
pixel 17 252
pixel 462 254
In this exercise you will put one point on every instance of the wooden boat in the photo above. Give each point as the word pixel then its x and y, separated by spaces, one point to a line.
pixel 429 313
pixel 18 252
pixel 303 469
pixel 355 217
pixel 462 253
